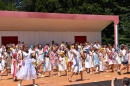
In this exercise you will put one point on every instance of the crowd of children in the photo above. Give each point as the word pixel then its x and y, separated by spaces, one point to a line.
pixel 26 63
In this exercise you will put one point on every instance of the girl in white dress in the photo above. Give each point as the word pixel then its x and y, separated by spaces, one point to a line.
pixel 19 58
pixel 27 72
pixel 34 60
pixel 118 58
pixel 40 54
pixel 70 57
pixel 3 64
pixel 91 53
pixel 46 65
pixel 88 62
pixel 77 65
pixel 125 59
pixel 62 64
pixel 101 58
pixel 105 54
pixel 111 58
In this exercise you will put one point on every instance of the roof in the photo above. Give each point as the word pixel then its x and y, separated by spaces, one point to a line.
pixel 15 21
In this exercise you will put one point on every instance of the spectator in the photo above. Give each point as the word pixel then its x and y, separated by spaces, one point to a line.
pixel 125 81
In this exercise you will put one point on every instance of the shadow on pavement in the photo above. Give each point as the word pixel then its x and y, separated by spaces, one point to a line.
pixel 101 83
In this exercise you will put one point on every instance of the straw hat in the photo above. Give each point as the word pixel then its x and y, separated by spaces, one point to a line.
pixel 101 48
pixel 62 45
pixel 72 46
pixel 32 52
pixel 61 53
pixel 16 46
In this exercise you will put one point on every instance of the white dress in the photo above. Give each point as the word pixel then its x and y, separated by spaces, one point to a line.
pixel 13 51
pixel 70 56
pixel 62 64
pixel 39 55
pixel 125 56
pixel 27 72
pixel 117 58
pixel 105 56
pixel 88 61
pixel 47 65
pixel 77 64
pixel 34 61
pixel 1 52
pixel 19 56
pixel 102 66
pixel 2 64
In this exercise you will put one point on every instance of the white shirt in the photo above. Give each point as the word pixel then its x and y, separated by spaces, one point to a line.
pixel 19 45
pixel 113 49
pixel 14 51
pixel 87 47
pixel 97 46
pixel 125 56
pixel 1 52
pixel 19 53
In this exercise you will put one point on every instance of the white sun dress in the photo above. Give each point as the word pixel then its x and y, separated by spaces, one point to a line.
pixel 62 64
pixel 27 72
pixel 77 64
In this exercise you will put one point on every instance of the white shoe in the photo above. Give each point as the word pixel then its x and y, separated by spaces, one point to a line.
pixel 19 84
pixel 35 85
pixel 42 76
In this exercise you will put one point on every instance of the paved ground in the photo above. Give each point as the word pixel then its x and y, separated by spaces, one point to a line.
pixel 102 79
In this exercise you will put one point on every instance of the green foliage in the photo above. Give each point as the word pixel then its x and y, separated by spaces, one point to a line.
pixel 2 5
pixel 5 5
pixel 27 5
pixel 100 7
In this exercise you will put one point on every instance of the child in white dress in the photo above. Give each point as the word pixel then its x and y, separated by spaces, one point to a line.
pixel 2 64
pixel 19 58
pixel 101 58
pixel 124 54
pixel 88 62
pixel 46 65
pixel 62 64
pixel 118 60
pixel 70 57
pixel 27 72
pixel 77 64
pixel 40 55
pixel 34 60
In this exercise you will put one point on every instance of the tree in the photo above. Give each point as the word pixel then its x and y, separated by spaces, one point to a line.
pixel 7 5
pixel 2 5
pixel 26 5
